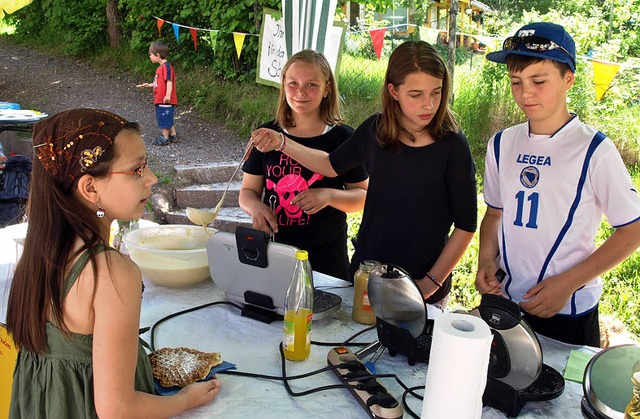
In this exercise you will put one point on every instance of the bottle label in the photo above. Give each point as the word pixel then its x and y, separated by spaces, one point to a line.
pixel 289 335
pixel 309 318
pixel 366 305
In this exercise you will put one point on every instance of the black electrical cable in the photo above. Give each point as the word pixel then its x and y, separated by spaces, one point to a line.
pixel 284 377
pixel 346 342
pixel 303 393
pixel 404 400
pixel 179 313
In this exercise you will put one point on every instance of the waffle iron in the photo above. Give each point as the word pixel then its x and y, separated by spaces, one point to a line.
pixel 516 372
pixel 402 322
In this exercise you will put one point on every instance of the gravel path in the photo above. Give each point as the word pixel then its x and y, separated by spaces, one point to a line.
pixel 52 84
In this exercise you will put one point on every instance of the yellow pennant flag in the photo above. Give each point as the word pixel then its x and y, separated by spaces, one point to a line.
pixel 603 74
pixel 10 6
pixel 238 39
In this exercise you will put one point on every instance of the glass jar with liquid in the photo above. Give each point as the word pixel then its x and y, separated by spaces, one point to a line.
pixel 362 312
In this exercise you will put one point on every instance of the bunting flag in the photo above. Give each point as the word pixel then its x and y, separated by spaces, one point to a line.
pixel 603 74
pixel 10 6
pixel 176 32
pixel 238 39
pixel 159 23
pixel 195 38
pixel 377 38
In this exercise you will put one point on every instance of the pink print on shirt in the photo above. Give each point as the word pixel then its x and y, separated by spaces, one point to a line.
pixel 287 188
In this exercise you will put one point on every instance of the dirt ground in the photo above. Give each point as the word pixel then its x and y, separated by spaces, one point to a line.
pixel 53 84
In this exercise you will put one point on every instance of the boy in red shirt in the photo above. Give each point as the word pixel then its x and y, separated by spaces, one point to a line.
pixel 164 93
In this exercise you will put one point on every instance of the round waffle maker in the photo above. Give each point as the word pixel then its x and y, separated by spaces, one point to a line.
pixel 607 382
pixel 516 372
pixel 401 314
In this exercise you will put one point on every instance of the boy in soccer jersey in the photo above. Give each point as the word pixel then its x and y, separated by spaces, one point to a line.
pixel 547 184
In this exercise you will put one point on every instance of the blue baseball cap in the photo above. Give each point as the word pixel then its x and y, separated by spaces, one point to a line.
pixel 542 40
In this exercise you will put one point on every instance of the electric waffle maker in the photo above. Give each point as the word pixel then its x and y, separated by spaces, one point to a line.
pixel 401 315
pixel 607 382
pixel 516 373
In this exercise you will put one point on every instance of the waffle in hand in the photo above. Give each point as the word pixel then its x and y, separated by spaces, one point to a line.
pixel 182 366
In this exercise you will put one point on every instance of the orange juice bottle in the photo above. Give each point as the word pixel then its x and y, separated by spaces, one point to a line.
pixel 362 312
pixel 296 342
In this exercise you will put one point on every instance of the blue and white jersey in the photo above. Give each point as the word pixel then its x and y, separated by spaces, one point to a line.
pixel 553 191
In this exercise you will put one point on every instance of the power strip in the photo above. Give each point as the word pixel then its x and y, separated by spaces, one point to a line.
pixel 372 396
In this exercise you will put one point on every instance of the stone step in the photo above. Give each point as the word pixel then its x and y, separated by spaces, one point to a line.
pixel 206 173
pixel 227 220
pixel 207 195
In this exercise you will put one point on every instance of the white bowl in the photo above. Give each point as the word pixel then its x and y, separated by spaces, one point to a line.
pixel 170 255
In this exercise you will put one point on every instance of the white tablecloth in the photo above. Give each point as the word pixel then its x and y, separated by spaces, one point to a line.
pixel 253 347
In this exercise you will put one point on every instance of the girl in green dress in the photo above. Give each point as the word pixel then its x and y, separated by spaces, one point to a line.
pixel 74 305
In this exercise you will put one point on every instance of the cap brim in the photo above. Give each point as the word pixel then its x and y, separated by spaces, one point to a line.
pixel 501 57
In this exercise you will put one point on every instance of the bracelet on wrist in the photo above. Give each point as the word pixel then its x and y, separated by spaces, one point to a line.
pixel 283 143
pixel 433 279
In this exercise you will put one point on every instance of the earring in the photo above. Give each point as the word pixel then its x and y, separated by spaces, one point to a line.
pixel 100 212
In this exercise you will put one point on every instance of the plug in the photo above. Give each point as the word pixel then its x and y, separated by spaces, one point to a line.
pixel 372 387
pixel 385 400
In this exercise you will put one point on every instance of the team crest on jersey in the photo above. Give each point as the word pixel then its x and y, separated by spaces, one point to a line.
pixel 529 176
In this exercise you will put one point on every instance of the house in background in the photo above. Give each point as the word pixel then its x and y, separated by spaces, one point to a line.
pixel 435 28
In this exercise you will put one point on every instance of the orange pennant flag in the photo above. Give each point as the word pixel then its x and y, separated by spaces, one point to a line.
pixel 603 74
pixel 238 40
pixel 159 23
pixel 377 38
pixel 195 38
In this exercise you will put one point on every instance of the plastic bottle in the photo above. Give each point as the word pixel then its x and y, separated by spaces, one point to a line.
pixel 296 342
pixel 362 312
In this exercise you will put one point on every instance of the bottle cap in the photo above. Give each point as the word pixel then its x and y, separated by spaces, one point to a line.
pixel 302 255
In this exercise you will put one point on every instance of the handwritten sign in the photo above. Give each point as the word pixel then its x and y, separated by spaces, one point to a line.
pixel 272 55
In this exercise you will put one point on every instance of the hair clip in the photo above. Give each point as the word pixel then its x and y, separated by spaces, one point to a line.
pixel 89 157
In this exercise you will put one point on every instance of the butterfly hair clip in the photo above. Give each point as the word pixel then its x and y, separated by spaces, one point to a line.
pixel 89 157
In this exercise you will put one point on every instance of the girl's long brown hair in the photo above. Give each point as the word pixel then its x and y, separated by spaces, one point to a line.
pixel 56 219
pixel 408 58
pixel 329 107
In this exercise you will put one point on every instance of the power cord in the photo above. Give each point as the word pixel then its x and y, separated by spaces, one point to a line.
pixel 284 378
pixel 179 313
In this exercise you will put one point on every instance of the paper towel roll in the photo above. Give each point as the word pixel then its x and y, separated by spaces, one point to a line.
pixel 458 365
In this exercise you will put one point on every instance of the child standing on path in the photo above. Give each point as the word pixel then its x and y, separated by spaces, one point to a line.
pixel 164 93
pixel 302 208
pixel 421 173
pixel 547 184
pixel 74 305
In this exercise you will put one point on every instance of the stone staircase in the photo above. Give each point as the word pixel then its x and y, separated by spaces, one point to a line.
pixel 202 186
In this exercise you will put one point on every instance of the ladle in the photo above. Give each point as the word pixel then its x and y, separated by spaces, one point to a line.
pixel 205 217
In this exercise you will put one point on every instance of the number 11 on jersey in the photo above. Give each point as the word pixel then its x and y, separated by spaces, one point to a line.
pixel 532 207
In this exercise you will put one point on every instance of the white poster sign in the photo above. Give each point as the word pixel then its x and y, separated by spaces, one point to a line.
pixel 272 54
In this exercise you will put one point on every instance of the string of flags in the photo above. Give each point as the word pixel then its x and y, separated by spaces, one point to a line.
pixel 238 37
pixel 604 72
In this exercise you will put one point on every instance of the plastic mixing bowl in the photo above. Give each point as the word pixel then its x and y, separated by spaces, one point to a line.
pixel 170 255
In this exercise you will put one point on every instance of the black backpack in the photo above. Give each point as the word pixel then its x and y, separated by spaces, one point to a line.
pixel 14 189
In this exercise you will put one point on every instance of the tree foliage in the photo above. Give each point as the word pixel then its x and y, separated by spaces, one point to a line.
pixel 608 29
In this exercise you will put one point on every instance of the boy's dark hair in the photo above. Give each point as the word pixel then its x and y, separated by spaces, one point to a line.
pixel 517 63
pixel 159 48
